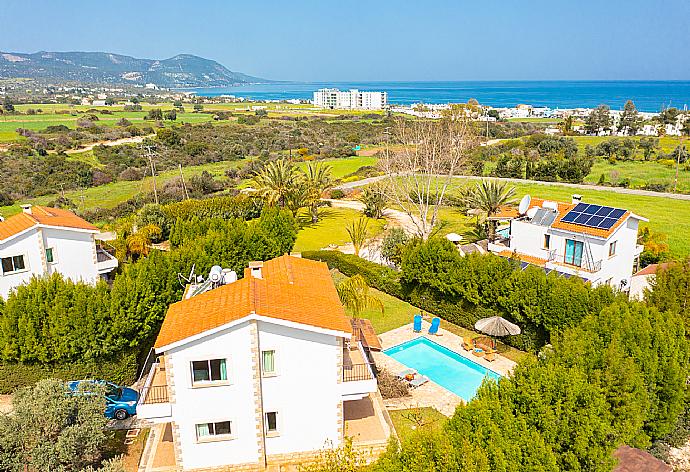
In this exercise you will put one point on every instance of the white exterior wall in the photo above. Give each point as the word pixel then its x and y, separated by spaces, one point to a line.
pixel 25 244
pixel 74 252
pixel 527 238
pixel 234 401
pixel 304 392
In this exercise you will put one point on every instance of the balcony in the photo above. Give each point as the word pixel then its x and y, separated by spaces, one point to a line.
pixel 154 397
pixel 586 264
pixel 359 373
pixel 105 260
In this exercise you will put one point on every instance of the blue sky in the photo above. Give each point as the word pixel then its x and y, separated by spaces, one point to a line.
pixel 374 40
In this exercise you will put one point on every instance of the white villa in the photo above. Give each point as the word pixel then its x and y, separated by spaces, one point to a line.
pixel 41 241
pixel 594 242
pixel 259 372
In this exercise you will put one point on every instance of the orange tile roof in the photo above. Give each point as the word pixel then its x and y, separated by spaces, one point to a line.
pixel 42 216
pixel 524 257
pixel 291 289
pixel 653 269
pixel 563 209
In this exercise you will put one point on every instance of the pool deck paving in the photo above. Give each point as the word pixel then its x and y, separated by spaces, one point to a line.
pixel 431 394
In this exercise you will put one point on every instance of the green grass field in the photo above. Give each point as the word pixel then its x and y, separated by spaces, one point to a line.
pixel 640 173
pixel 330 229
pixel 344 166
pixel 667 143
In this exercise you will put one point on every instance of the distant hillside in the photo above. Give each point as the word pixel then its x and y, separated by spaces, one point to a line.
pixel 183 70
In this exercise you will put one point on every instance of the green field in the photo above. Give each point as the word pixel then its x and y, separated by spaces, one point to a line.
pixel 667 143
pixel 640 173
pixel 344 166
pixel 330 230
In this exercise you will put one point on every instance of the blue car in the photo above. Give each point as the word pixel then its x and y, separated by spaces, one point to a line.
pixel 120 402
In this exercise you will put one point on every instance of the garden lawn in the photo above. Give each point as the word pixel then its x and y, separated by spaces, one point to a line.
pixel 343 166
pixel 330 230
pixel 406 422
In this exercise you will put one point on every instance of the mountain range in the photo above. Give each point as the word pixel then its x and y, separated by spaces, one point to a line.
pixel 183 70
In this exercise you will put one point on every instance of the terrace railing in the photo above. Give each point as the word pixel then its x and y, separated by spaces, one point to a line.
pixel 155 394
pixel 357 372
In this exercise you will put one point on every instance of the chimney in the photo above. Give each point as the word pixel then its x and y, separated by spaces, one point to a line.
pixel 577 198
pixel 255 269
pixel 26 208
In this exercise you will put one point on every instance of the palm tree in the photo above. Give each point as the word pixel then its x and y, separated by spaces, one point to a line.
pixel 489 196
pixel 275 181
pixel 317 178
pixel 354 294
pixel 358 233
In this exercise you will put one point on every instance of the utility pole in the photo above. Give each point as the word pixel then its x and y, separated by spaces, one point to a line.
pixel 184 186
pixel 680 150
pixel 149 155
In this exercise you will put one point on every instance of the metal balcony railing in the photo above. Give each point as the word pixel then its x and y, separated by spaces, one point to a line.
pixel 155 394
pixel 585 263
pixel 356 372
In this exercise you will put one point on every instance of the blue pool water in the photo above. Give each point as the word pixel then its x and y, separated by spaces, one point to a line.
pixel 447 368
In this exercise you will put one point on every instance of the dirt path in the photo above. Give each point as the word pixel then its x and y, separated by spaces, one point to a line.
pixel 117 142
pixel 396 218
pixel 627 191
pixel 5 403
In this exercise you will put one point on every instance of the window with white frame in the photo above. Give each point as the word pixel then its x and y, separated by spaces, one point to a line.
pixel 12 264
pixel 271 423
pixel 268 362
pixel 215 430
pixel 209 371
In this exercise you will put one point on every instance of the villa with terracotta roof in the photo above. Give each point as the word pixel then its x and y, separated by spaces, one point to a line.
pixel 41 241
pixel 262 371
pixel 597 243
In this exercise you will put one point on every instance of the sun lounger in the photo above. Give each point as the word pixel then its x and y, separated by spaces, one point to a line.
pixel 417 325
pixel 490 356
pixel 467 345
pixel 405 373
pixel 418 381
pixel 435 323
pixel 478 352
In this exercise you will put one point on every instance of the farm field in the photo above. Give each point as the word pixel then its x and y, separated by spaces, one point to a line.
pixel 667 143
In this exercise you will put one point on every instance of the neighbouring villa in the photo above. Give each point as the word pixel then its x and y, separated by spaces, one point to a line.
pixel 595 242
pixel 260 372
pixel 41 241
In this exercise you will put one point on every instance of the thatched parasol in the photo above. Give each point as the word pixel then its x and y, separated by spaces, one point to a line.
pixel 497 326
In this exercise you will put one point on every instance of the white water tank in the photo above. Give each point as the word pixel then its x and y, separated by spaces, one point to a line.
pixel 216 274
pixel 229 276
pixel 550 205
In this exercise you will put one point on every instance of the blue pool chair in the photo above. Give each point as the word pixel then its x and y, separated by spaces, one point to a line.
pixel 417 326
pixel 435 323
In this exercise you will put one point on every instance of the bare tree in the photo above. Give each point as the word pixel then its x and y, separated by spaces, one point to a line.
pixel 429 155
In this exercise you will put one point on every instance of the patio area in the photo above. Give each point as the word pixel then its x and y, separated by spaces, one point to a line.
pixel 431 394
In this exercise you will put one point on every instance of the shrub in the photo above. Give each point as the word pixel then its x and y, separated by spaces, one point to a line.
pixel 391 386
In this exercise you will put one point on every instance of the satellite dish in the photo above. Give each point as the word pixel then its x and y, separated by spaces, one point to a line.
pixel 216 274
pixel 532 211
pixel 524 204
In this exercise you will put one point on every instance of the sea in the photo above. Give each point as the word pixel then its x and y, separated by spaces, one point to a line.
pixel 648 96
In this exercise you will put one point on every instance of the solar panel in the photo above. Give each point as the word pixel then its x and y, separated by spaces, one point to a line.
pixel 593 216
pixel 570 217
pixel 604 211
pixel 592 209
pixel 524 265
pixel 617 213
pixel 582 219
pixel 607 223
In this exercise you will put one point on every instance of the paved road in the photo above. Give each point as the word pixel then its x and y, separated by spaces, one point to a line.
pixel 627 191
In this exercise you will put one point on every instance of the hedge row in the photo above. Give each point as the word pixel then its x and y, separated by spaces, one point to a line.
pixel 121 370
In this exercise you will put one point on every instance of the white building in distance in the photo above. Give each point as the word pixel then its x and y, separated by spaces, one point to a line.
pixel 350 100
pixel 594 242
pixel 258 372
pixel 41 241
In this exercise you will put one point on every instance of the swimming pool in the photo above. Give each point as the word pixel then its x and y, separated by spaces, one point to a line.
pixel 447 368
